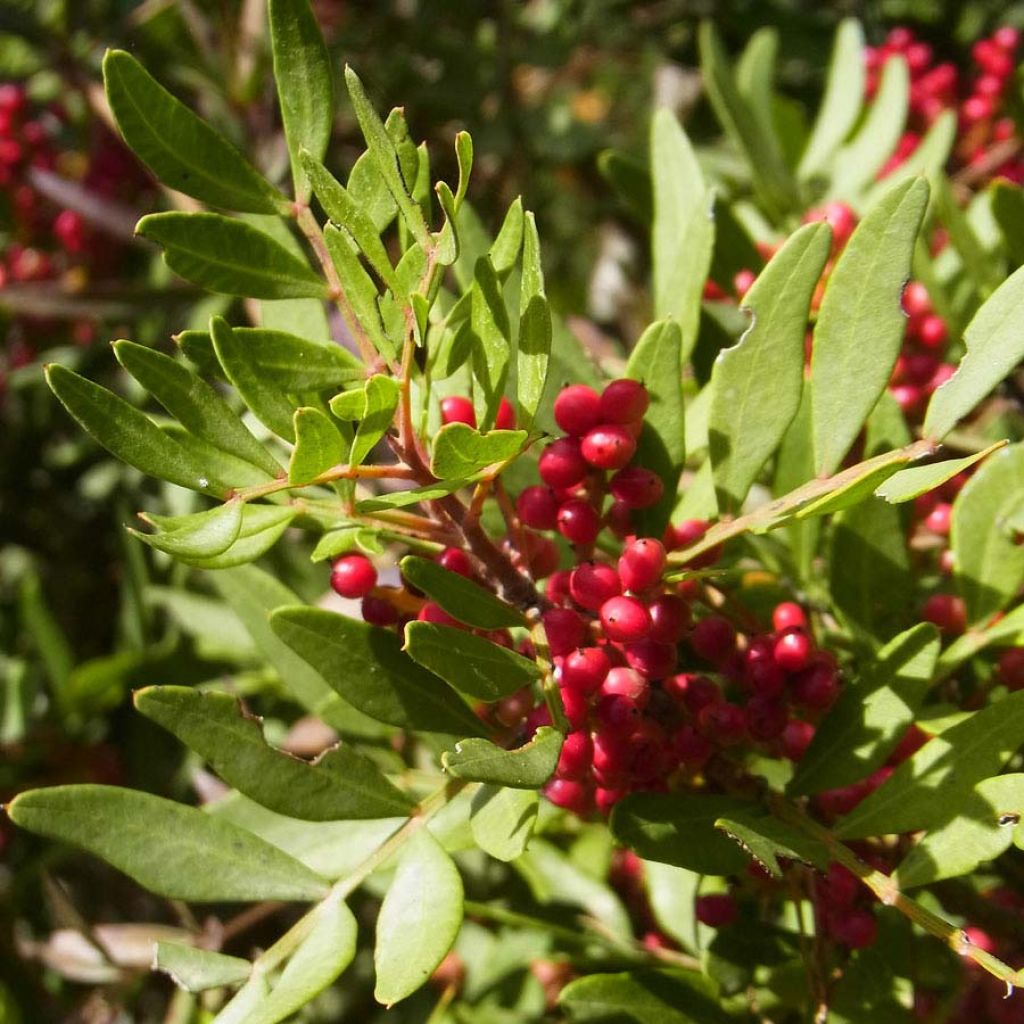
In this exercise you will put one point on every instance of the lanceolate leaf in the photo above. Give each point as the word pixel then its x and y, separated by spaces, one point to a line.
pixel 460 451
pixel 339 785
pixel 196 970
pixel 911 483
pixel 757 384
pixel 196 406
pixel 379 405
pixel 534 344
pixel 182 150
pixel 492 338
pixel 318 446
pixel 922 789
pixel 419 919
pixel 200 535
pixel 657 362
pixel 871 715
pixel 128 434
pixel 261 527
pixel 172 850
pixel 842 102
pixel 526 767
pixel 502 820
pixel 505 250
pixel 473 665
pixel 995 345
pixel 302 71
pixel 459 597
pixel 861 323
pixel 683 232
pixel 401 499
pixel 230 256
pixel 988 563
pixel 366 665
pixel 766 839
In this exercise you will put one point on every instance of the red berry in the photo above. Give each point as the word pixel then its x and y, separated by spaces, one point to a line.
pixel 641 564
pixel 624 401
pixel 458 409
pixel 585 669
pixel 637 487
pixel 940 518
pixel 628 684
pixel 816 687
pixel 788 615
pixel 511 710
pixel 353 576
pixel 625 619
pixel 557 588
pixel 695 692
pixel 688 532
pixel 608 446
pixel 713 638
pixel 569 795
pixel 650 658
pixel 593 583
pixel 947 612
pixel 691 748
pixel 576 757
pixel 796 738
pixel 855 929
pixel 1011 668
pixel 610 757
pixel 916 302
pixel 431 612
pixel 841 886
pixel 562 464
pixel 378 612
pixel 743 281
pixel 792 651
pixel 619 518
pixel 578 521
pixel 541 555
pixel 606 799
pixel 932 332
pixel 537 507
pixel 716 910
pixel 670 617
pixel 577 409
pixel 576 707
pixel 505 418
pixel 723 722
pixel 69 227
pixel 456 560
pixel 565 630
pixel 839 217
pixel 766 719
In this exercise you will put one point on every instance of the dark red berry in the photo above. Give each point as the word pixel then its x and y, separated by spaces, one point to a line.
pixel 577 409
pixel 562 464
pixel 537 507
pixel 505 419
pixel 713 638
pixel 766 719
pixel 1011 668
pixel 723 722
pixel 578 521
pixel 796 738
pixel 947 612
pixel 458 409
pixel 353 576
pixel 624 401
pixel 856 929
pixel 691 748
pixel 792 651
pixel 565 630
pixel 576 757
pixel 378 612
pixel 637 487
pixel 716 910
pixel 816 687
pixel 605 799
pixel 650 658
pixel 541 555
pixel 625 619
pixel 670 618
pixel 593 583
pixel 642 563
pixel 609 446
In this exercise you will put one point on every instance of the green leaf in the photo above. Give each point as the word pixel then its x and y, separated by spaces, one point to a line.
pixel 995 345
pixel 534 343
pixel 505 250
pixel 230 256
pixel 261 527
pixel 631 182
pixel 172 850
pixel 1007 203
pixel 753 137
pixel 366 665
pixel 197 970
pixel 318 446
pixel 128 434
pixel 459 597
pixel 400 499
pixel 260 392
pixel 841 105
pixel 872 715
pixel 338 785
pixel 326 951
pixel 1008 629
pixel 386 157
pixel 857 164
pixel 526 767
pixel 975 832
pixel 683 232
pixel 302 71
pixel 657 362
pixel 460 451
pixel 988 563
pixel 922 789
pixel 473 665
pixel 646 997
pixel 419 919
pixel 757 384
pixel 856 490
pixel 382 395
pixel 502 820
pixel 201 535
pixel 182 150
pixel 295 363
pixel 861 322
pixel 196 405
pixel 492 337
pixel 766 839
pixel 980 267
pixel 679 829
pixel 911 483
pixel 672 893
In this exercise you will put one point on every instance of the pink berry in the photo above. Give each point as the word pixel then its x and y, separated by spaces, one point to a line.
pixel 565 630
pixel 788 615
pixel 716 910
pixel 626 683
pixel 609 446
pixel 456 560
pixel 585 669
pixel 947 612
pixel 353 576
pixel 537 507
pixel 792 651
pixel 624 401
pixel 940 518
pixel 505 418
pixel 713 638
pixel 576 757
pixel 637 487
pixel 562 464
pixel 577 409
pixel 569 795
pixel 593 583
pixel 642 563
pixel 932 332
pixel 458 409
pixel 625 619
pixel 743 281
pixel 916 302
pixel 578 521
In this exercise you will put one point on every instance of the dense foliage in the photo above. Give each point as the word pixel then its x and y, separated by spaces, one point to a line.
pixel 671 673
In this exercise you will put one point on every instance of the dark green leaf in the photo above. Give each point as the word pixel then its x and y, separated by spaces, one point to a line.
pixel 366 665
pixel 201 535
pixel 631 181
pixel 871 715
pixel 526 767
pixel 922 789
pixel 419 919
pixel 459 597
pixel 196 970
pixel 644 997
pixel 172 850
pixel 757 384
pixel 230 256
pixel 338 785
pixel 182 150
pixel 502 820
pixel 318 446
pixel 302 70
pixel 460 451
pixel 766 839
pixel 861 323
pixel 473 665
pixel 1008 210
pixel 534 343
pixel 128 434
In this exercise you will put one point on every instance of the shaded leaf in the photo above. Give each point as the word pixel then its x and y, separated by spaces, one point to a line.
pixel 526 767
pixel 502 820
pixel 766 839
pixel 196 970
pixel 646 997
pixel 459 597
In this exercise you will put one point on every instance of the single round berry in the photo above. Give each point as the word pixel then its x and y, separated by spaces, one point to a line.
pixel 505 418
pixel 939 519
pixel 584 669
pixel 637 487
pixel 593 583
pixel 565 630
pixel 628 684
pixel 541 555
pixel 557 587
pixel 578 521
pixel 577 409
pixel 796 738
pixel 609 446
pixel 624 401
pixel 743 281
pixel 1011 668
pixel 788 615
pixel 650 658
pixel 378 612
pixel 947 612
pixel 434 613
pixel 713 638
pixel 456 560
pixel 625 619
pixel 688 532
pixel 458 409
pixel 569 795
pixel 562 464
pixel 841 886
pixel 716 910
pixel 670 618
pixel 793 650
pixel 641 564
pixel 353 576
pixel 816 687
pixel 576 707
pixel 932 331
pixel 576 757
pixel 511 710
pixel 605 799
pixel 619 519
pixel 537 507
